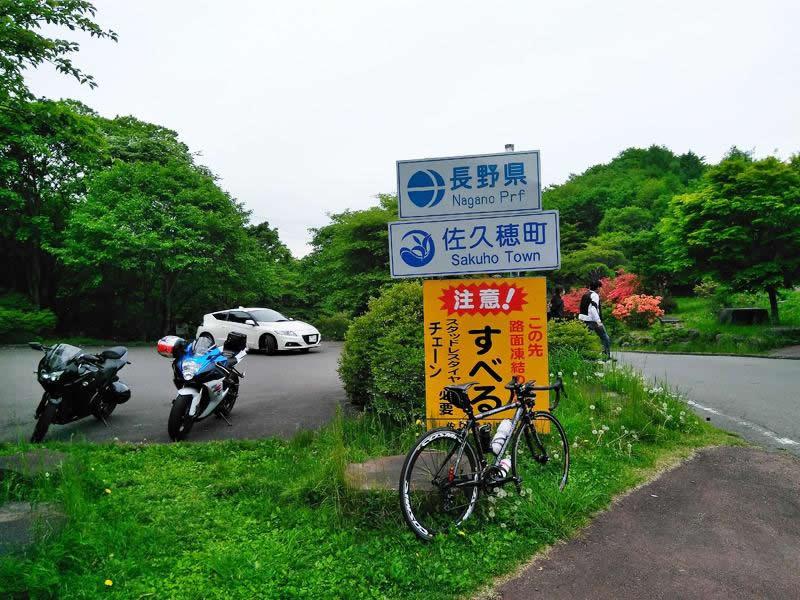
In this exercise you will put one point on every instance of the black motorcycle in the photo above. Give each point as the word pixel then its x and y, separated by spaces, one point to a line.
pixel 78 384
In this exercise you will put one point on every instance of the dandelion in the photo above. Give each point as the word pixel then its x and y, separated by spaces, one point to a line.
pixel 605 427
pixel 683 413
pixel 522 493
pixel 551 375
pixel 460 532
pixel 108 582
pixel 529 491
pixel 491 513
pixel 594 431
pixel 591 407
pixel 108 491
pixel 503 525
pixel 560 374
pixel 574 373
pixel 419 422
pixel 46 475
pixel 599 374
pixel 669 417
pixel 574 444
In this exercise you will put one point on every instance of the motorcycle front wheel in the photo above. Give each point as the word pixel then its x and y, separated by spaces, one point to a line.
pixel 43 423
pixel 180 423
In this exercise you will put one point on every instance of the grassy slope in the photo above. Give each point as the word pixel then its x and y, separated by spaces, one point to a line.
pixel 271 519
pixel 696 313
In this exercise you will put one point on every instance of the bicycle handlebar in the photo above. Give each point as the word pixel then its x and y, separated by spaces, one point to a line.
pixel 528 389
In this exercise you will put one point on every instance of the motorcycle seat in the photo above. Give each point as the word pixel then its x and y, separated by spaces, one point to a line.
pixel 115 352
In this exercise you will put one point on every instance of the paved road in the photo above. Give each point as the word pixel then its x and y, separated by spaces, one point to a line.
pixel 724 525
pixel 758 398
pixel 279 395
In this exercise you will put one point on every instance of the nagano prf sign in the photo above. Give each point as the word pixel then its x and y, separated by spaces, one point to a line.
pixel 482 330
pixel 469 185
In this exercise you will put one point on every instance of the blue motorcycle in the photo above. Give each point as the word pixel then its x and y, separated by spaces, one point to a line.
pixel 206 377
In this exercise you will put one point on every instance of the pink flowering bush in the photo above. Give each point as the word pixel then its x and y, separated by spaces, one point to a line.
pixel 638 310
pixel 612 291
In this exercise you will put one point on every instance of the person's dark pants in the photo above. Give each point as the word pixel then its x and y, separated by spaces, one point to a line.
pixel 603 335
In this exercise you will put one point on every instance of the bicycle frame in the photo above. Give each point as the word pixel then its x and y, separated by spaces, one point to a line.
pixel 522 414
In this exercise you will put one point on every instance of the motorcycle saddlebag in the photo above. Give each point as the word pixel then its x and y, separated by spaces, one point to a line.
pixel 171 346
pixel 235 342
pixel 120 393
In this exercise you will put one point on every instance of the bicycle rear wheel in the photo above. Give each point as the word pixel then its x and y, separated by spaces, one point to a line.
pixel 430 498
pixel 541 450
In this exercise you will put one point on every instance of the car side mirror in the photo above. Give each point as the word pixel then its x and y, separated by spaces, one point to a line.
pixel 250 322
pixel 36 345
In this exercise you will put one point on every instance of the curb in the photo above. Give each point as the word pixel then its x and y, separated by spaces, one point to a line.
pixel 708 354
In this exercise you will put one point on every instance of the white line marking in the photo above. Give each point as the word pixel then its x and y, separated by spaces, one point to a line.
pixel 784 441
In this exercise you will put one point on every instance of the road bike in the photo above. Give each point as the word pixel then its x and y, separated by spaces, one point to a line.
pixel 444 473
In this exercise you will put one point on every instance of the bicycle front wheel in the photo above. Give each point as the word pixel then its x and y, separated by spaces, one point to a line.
pixel 433 494
pixel 540 450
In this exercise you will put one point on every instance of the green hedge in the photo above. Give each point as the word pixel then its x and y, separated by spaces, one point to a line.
pixel 333 327
pixel 18 325
pixel 383 361
pixel 573 335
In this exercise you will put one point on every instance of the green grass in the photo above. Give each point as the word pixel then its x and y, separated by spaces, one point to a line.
pixel 273 519
pixel 698 314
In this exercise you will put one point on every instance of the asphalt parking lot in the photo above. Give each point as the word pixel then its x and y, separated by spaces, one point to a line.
pixel 280 395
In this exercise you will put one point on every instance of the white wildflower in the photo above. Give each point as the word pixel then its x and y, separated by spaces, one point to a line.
pixel 591 407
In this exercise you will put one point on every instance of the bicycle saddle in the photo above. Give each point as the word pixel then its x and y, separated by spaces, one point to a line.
pixel 461 387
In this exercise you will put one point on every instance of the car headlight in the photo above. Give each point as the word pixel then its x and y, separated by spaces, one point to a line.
pixel 287 332
pixel 189 369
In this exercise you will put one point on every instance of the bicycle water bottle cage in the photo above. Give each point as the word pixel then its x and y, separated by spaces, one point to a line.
pixel 457 395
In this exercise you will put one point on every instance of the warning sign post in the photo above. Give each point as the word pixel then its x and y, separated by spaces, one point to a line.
pixel 483 330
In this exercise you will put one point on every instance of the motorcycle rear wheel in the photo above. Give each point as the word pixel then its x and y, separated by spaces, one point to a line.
pixel 180 423
pixel 43 424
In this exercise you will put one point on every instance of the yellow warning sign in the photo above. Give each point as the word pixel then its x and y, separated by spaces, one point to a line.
pixel 483 330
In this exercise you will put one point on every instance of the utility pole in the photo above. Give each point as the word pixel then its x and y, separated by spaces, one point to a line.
pixel 510 148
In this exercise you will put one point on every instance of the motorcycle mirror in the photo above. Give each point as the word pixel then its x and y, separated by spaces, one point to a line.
pixel 36 345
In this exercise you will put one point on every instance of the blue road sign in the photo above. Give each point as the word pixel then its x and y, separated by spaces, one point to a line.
pixel 521 241
pixel 469 185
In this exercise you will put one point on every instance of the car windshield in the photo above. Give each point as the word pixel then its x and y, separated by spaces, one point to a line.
pixel 266 315
pixel 59 355
pixel 201 346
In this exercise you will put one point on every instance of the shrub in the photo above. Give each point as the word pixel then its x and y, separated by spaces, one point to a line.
pixel 621 287
pixel 575 336
pixel 383 360
pixel 666 335
pixel 706 288
pixel 333 327
pixel 19 321
pixel 639 310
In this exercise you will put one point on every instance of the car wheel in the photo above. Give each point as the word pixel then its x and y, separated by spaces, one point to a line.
pixel 268 344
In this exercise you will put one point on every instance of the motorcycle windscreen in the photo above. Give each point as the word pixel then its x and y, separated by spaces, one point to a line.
pixel 57 357
pixel 201 346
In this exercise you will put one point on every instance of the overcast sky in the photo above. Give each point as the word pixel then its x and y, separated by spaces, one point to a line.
pixel 302 108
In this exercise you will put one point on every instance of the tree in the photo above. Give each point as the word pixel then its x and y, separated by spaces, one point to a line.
pixel 46 151
pixel 23 45
pixel 270 242
pixel 169 227
pixel 349 262
pixel 742 226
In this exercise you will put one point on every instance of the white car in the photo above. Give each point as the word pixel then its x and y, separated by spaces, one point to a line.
pixel 266 329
